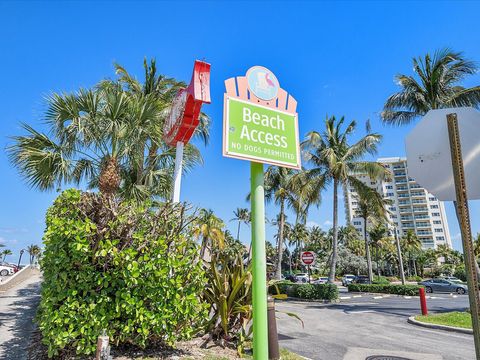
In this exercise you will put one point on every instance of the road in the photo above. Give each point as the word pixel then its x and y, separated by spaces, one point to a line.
pixel 359 327
pixel 17 309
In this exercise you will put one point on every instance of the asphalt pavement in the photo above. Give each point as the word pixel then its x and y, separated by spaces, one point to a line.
pixel 17 310
pixel 363 325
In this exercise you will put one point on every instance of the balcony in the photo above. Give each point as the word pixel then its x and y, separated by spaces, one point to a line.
pixel 417 194
pixel 405 210
pixel 408 226
pixel 406 218
pixel 420 217
pixel 415 186
pixel 420 209
pixel 416 202
pixel 423 224
pixel 399 167
pixel 402 188
pixel 400 174
pixel 401 181
pixel 403 195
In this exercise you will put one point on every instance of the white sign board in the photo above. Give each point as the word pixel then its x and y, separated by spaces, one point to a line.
pixel 307 258
pixel 428 152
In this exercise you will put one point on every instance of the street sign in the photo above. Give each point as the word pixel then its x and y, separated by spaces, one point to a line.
pixel 307 258
pixel 260 125
pixel 260 133
pixel 428 152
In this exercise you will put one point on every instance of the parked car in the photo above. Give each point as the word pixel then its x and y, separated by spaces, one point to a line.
pixel 6 270
pixel 320 280
pixel 13 266
pixel 361 279
pixel 302 277
pixel 452 278
pixel 442 285
pixel 290 277
pixel 347 279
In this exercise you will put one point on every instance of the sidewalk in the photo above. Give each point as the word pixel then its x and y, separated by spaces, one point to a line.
pixel 17 310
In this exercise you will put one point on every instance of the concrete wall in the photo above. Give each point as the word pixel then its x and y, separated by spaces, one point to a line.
pixel 8 282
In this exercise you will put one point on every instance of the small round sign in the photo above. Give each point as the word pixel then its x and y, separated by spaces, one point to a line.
pixel 262 83
pixel 307 257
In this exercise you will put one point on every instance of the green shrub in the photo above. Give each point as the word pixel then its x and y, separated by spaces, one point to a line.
pixel 120 267
pixel 410 290
pixel 414 278
pixel 380 280
pixel 306 291
pixel 460 272
pixel 392 278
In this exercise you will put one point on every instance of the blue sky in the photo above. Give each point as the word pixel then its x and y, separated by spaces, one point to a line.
pixel 336 58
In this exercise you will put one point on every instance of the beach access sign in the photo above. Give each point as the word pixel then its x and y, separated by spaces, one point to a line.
pixel 258 130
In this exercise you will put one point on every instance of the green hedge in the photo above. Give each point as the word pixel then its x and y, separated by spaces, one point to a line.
pixel 120 267
pixel 306 291
pixel 410 290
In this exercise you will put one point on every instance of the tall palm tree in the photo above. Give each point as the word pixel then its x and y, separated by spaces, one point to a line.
pixel 298 236
pixel 378 238
pixel 335 161
pixel 411 245
pixel 435 86
pixel 34 252
pixel 372 208
pixel 5 253
pixel 110 136
pixel 242 215
pixel 208 228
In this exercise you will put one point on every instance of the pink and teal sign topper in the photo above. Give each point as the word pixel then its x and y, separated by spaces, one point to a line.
pixel 260 120
pixel 262 82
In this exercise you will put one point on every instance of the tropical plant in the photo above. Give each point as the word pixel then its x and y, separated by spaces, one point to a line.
pixel 123 267
pixel 208 229
pixel 34 252
pixel 372 208
pixel 5 253
pixel 435 86
pixel 242 216
pixel 380 240
pixel 289 189
pixel 109 136
pixel 335 161
pixel 229 295
pixel 411 245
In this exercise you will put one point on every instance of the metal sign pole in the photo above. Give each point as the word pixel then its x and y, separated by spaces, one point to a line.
pixel 465 229
pixel 259 271
pixel 177 174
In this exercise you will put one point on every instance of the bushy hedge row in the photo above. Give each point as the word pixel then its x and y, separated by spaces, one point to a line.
pixel 125 268
pixel 410 290
pixel 306 291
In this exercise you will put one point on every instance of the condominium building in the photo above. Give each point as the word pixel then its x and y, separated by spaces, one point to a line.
pixel 412 207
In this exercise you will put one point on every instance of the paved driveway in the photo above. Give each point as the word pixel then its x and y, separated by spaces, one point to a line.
pixel 370 325
pixel 17 309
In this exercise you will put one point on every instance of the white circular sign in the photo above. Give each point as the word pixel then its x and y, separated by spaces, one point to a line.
pixel 428 152
pixel 262 83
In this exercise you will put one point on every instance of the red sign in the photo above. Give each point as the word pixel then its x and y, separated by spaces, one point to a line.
pixel 183 119
pixel 307 257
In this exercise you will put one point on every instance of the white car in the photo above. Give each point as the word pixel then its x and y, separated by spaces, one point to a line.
pixel 6 270
pixel 302 277
pixel 321 280
pixel 347 279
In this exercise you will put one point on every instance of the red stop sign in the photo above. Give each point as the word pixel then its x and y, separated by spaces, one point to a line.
pixel 307 257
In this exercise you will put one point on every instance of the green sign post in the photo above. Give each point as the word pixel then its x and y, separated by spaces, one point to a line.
pixel 260 125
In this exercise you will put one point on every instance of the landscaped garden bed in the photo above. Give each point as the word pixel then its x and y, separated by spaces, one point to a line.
pixel 454 319
pixel 408 290
pixel 305 291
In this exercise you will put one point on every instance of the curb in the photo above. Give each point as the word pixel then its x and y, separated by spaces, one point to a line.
pixel 290 298
pixel 411 320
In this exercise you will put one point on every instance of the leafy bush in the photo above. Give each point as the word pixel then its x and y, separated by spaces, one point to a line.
pixel 380 280
pixel 392 278
pixel 120 267
pixel 410 290
pixel 306 291
pixel 460 272
pixel 414 278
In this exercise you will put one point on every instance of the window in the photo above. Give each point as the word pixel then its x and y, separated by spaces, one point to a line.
pixel 432 198
pixel 357 223
pixel 439 230
pixel 441 238
pixel 433 206
pixel 393 216
pixel 435 214
pixel 354 202
pixel 392 208
pixel 373 183
pixel 389 187
pixel 389 194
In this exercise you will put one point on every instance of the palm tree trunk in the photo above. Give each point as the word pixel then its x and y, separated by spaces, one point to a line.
pixel 367 252
pixel 415 267
pixel 203 247
pixel 238 230
pixel 333 264
pixel 278 273
pixel 378 261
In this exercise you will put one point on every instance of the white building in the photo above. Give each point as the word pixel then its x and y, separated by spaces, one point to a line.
pixel 412 207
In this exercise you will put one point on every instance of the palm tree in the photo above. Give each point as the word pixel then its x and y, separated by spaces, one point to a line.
pixel 34 252
pixel 289 189
pixel 109 136
pixel 335 161
pixel 378 239
pixel 411 245
pixel 242 216
pixel 298 236
pixel 5 253
pixel 435 86
pixel 208 228
pixel 372 209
